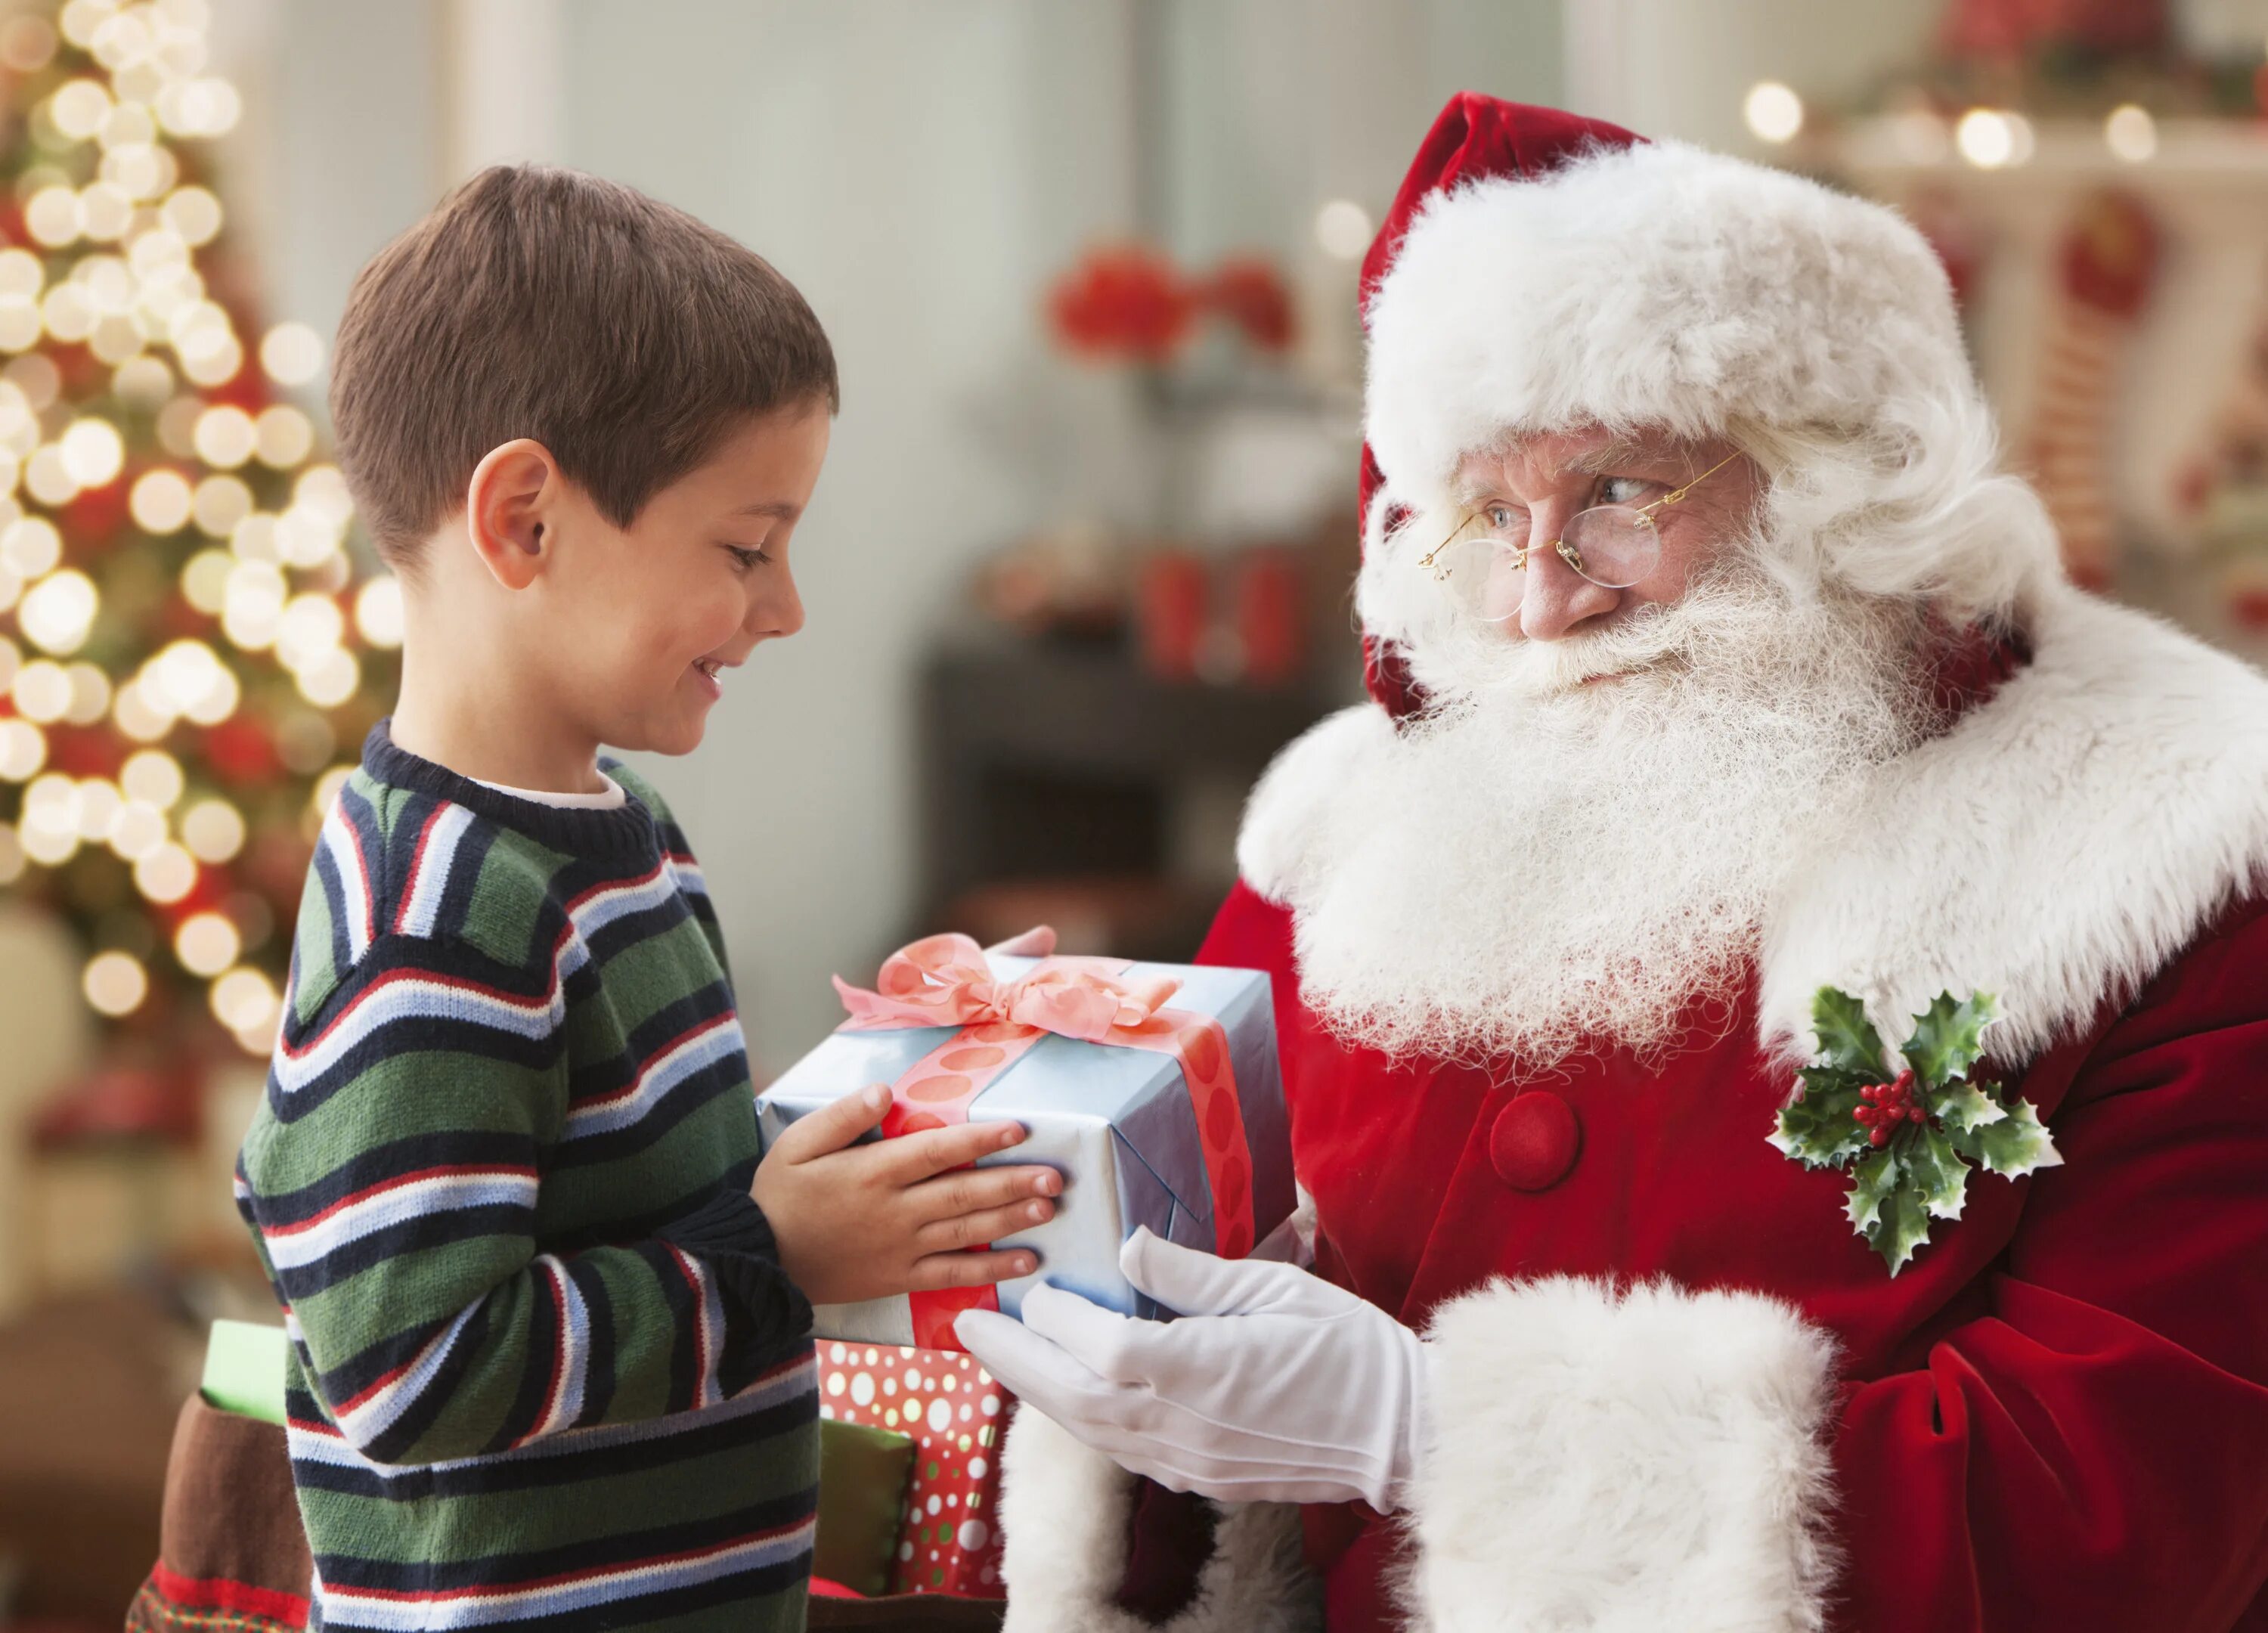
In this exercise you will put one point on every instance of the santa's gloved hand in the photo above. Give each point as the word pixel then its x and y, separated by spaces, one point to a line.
pixel 1274 1384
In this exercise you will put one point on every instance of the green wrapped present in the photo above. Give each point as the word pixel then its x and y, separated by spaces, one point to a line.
pixel 244 1369
pixel 862 1495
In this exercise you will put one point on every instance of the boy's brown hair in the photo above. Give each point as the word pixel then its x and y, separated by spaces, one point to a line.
pixel 622 334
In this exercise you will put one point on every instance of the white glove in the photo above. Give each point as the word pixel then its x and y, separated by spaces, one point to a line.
pixel 1274 1384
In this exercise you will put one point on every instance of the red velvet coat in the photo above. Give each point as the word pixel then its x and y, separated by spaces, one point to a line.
pixel 2055 1417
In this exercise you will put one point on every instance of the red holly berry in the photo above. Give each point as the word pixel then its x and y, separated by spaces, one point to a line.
pixel 1914 1113
pixel 1878 1137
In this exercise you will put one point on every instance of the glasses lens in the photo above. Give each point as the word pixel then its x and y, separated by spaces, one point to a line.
pixel 1616 545
pixel 1483 574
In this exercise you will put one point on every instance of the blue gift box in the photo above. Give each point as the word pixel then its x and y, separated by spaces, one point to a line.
pixel 1117 1123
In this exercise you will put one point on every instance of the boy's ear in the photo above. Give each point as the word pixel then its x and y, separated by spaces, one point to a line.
pixel 512 510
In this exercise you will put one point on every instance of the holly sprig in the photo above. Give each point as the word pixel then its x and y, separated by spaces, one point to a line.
pixel 1908 1136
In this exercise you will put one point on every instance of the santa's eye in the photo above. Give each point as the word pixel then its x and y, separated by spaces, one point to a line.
pixel 1502 518
pixel 1622 489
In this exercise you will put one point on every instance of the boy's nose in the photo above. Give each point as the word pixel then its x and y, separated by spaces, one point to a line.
pixel 777 612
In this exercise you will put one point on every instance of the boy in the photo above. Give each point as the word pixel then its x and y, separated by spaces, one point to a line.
pixel 550 1316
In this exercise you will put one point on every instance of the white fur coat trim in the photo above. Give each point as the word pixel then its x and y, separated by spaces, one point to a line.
pixel 1622 1462
pixel 1063 1510
pixel 2057 848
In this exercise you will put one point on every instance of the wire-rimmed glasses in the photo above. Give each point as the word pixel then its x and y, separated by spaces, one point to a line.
pixel 1613 546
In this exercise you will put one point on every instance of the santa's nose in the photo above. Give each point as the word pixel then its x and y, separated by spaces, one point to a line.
pixel 1557 600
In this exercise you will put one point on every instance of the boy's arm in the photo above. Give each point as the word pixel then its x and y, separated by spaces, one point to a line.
pixel 394 1191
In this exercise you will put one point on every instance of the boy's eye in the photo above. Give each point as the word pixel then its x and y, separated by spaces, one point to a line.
pixel 1622 489
pixel 745 560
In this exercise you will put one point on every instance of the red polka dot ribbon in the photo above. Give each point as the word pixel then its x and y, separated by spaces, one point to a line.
pixel 943 981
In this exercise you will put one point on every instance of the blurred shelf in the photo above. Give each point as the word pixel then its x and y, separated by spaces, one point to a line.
pixel 1070 765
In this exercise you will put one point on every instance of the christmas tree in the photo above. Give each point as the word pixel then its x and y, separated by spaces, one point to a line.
pixel 188 655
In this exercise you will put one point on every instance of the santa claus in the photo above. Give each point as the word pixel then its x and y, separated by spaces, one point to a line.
pixel 1715 662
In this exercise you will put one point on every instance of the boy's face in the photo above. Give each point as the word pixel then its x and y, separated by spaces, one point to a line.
pixel 651 619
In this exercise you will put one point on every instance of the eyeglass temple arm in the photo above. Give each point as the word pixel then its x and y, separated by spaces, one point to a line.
pixel 1674 495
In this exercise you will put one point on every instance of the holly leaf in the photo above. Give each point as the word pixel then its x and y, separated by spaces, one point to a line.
pixel 1964 1108
pixel 1846 1038
pixel 1949 1037
pixel 1818 1129
pixel 2017 1143
pixel 1939 1177
pixel 1871 1181
pixel 1901 1226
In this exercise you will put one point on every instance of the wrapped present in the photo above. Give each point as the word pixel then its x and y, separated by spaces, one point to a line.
pixel 948 1537
pixel 862 1503
pixel 245 1364
pixel 1152 1088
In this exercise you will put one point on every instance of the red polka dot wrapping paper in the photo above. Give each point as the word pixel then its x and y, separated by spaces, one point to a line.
pixel 1122 1121
pixel 949 1537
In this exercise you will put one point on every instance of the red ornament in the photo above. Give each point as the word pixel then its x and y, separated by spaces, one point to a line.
pixel 2248 607
pixel 86 751
pixel 1268 617
pixel 91 520
pixel 125 1101
pixel 1170 612
pixel 1124 301
pixel 1249 292
pixel 241 752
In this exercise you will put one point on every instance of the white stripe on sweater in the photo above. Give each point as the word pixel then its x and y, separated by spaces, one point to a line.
pixel 291 1246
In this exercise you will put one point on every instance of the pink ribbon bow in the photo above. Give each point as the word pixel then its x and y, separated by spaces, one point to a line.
pixel 943 980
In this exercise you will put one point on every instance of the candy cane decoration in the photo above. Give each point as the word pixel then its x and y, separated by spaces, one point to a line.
pixel 2110 255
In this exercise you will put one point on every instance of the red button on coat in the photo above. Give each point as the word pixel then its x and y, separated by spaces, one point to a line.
pixel 1534 1141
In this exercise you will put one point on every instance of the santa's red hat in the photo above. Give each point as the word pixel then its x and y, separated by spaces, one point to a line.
pixel 1540 271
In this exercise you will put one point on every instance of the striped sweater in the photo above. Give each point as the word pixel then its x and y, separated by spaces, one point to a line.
pixel 545 1364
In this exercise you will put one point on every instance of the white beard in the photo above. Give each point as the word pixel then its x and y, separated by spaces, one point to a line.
pixel 1540 865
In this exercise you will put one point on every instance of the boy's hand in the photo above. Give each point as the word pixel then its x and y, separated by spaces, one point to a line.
pixel 866 1221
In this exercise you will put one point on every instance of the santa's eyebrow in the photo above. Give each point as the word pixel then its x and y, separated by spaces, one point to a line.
pixel 1610 457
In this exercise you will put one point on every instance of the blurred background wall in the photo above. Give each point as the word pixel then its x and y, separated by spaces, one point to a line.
pixel 1078 563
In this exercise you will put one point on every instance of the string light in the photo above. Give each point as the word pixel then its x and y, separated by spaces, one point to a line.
pixel 225 437
pixel 291 354
pixel 1774 113
pixel 378 611
pixel 2129 133
pixel 244 1000
pixel 207 944
pixel 99 804
pixel 218 504
pixel 213 830
pixel 58 611
pixel 159 502
pixel 90 694
pixel 30 547
pixel 23 750
pixel 153 777
pixel 282 437
pixel 42 692
pixel 93 452
pixel 1343 230
pixel 116 983
pixel 138 830
pixel 166 874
